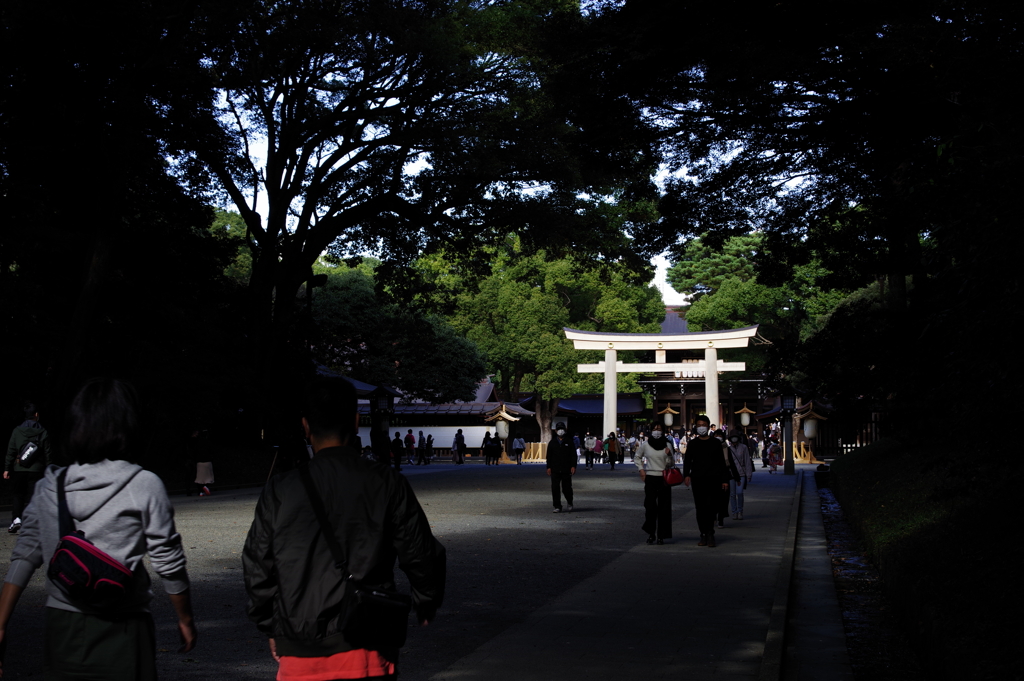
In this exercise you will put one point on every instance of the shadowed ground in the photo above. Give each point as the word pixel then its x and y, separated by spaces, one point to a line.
pixel 531 594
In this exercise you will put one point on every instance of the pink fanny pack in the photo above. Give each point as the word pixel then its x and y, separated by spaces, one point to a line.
pixel 85 574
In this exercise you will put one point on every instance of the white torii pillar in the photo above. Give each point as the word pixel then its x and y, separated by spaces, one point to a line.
pixel 611 343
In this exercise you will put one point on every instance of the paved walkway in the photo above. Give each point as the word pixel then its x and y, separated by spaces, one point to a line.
pixel 535 595
pixel 685 612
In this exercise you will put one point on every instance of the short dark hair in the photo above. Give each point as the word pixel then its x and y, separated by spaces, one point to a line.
pixel 330 408
pixel 104 421
pixel 702 417
pixel 30 410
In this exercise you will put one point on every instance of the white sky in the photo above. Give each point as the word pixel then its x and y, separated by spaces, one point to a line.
pixel 668 293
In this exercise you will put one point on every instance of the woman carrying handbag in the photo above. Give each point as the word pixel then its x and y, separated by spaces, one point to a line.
pixel 653 458
pixel 117 513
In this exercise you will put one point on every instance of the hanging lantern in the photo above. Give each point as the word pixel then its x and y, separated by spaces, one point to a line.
pixel 666 415
pixel 745 415
pixel 501 418
pixel 809 420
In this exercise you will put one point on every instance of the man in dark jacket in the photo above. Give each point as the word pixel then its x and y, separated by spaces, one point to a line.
pixel 28 455
pixel 296 589
pixel 705 468
pixel 561 467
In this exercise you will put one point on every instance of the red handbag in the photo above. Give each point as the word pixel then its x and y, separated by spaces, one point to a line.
pixel 672 477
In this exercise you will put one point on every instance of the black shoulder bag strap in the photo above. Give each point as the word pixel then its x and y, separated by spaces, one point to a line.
pixel 325 524
pixel 66 524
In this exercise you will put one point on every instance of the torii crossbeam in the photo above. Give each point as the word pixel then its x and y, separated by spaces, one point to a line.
pixel 611 343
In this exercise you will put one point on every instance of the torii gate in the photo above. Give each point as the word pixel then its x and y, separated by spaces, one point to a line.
pixel 611 343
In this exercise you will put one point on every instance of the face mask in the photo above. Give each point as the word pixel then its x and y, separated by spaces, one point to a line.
pixel 702 430
pixel 734 440
pixel 560 433
pixel 655 433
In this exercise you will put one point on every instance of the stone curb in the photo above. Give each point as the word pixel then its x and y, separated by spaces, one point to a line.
pixel 775 643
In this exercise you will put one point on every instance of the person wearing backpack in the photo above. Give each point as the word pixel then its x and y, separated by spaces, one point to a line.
pixel 114 512
pixel 28 455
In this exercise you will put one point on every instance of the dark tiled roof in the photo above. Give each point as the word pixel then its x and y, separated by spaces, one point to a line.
pixel 673 323
pixel 629 404
pixel 454 409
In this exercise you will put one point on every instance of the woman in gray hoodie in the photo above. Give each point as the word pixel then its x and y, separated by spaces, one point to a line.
pixel 124 511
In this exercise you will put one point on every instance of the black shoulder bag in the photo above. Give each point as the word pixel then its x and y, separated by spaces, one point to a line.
pixel 372 618
pixel 82 572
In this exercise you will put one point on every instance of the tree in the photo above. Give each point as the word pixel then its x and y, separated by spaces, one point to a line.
pixel 781 125
pixel 398 127
pixel 702 270
pixel 92 219
pixel 516 316
pixel 360 333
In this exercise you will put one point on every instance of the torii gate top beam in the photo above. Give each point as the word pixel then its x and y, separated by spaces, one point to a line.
pixel 696 340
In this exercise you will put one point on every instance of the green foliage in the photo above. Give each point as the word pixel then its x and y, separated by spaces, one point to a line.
pixel 361 334
pixel 703 269
pixel 516 315
pixel 733 297
pixel 230 230
pixel 398 128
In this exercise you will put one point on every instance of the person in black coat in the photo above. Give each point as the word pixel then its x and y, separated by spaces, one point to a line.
pixel 397 450
pixel 706 472
pixel 561 467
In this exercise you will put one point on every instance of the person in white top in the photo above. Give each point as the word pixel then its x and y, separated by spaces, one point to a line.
pixel 652 458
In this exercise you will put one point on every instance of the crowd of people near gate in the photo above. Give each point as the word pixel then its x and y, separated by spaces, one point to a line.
pixel 417 448
pixel 717 465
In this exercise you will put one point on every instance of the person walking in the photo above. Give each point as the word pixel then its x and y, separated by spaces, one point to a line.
pixel 589 442
pixel 397 451
pixel 28 455
pixel 723 498
pixel 421 450
pixel 202 454
pixel 774 455
pixel 410 447
pixel 518 447
pixel 653 457
pixel 485 448
pixel 326 532
pixel 460 448
pixel 612 448
pixel 493 449
pixel 561 466
pixel 706 473
pixel 745 467
pixel 123 511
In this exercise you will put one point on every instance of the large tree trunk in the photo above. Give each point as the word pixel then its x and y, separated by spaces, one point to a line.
pixel 278 350
pixel 545 415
